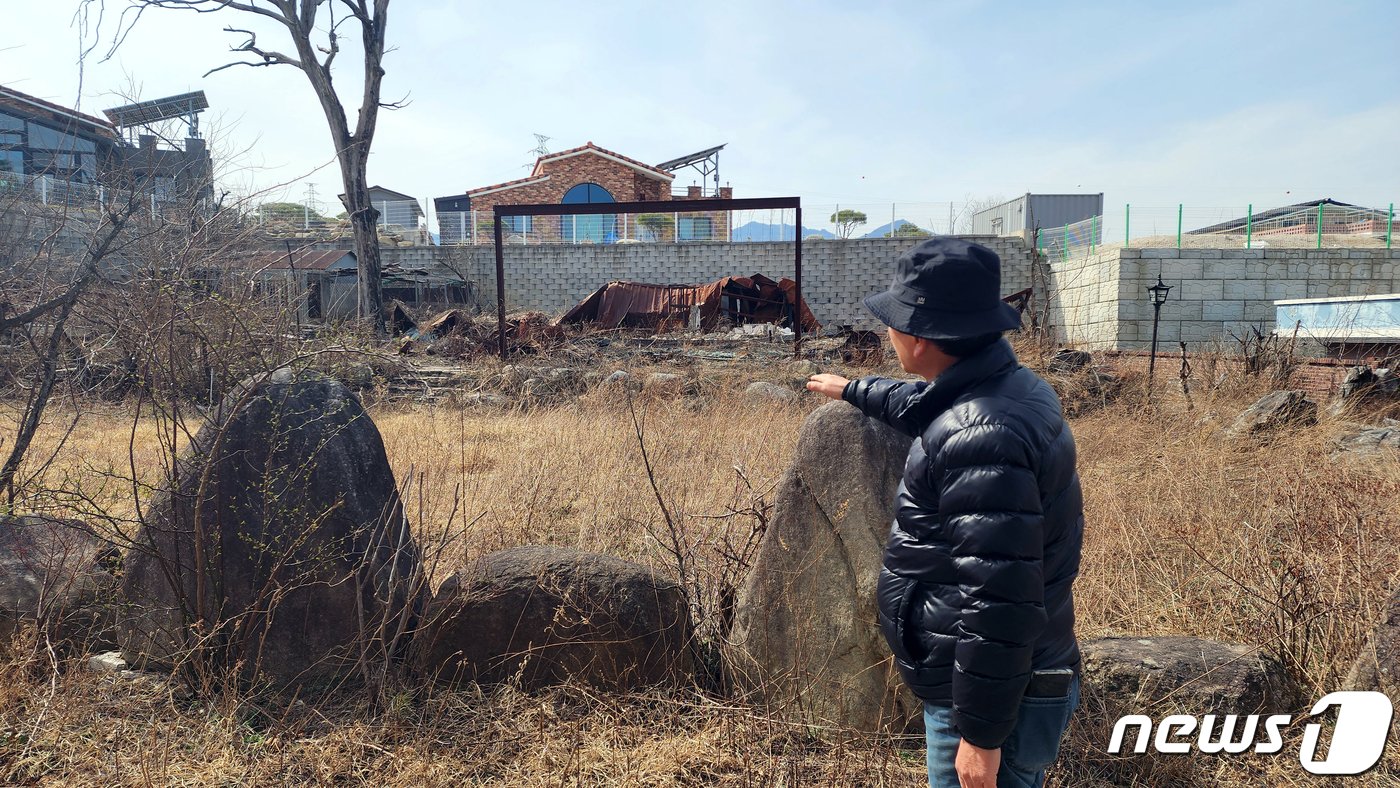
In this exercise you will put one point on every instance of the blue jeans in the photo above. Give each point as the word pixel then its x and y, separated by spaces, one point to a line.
pixel 1033 745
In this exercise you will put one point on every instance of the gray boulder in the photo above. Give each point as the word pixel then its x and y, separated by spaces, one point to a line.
pixel 1067 360
pixel 664 382
pixel 512 376
pixel 281 551
pixel 1273 411
pixel 802 369
pixel 1194 673
pixel 54 574
pixel 1363 384
pixel 770 392
pixel 107 662
pixel 1371 443
pixel 805 628
pixel 1357 383
pixel 1378 666
pixel 543 616
pixel 481 399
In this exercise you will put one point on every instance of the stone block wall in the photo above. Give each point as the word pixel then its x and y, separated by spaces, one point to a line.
pixel 1100 302
pixel 837 274
pixel 1217 293
pixel 1085 299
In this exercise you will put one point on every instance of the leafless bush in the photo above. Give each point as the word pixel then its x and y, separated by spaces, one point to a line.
pixel 1265 353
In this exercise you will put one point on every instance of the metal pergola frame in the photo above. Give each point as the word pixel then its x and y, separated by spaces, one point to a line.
pixel 649 206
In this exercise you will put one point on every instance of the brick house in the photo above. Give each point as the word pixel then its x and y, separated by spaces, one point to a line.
pixel 586 174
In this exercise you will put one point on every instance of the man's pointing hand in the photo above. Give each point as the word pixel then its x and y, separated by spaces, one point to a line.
pixel 827 384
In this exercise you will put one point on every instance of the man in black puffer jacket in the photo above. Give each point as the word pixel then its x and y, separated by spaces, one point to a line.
pixel 974 597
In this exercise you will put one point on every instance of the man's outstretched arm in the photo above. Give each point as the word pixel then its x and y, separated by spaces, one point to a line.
pixel 879 398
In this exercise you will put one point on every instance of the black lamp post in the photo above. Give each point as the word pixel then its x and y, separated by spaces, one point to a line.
pixel 1159 296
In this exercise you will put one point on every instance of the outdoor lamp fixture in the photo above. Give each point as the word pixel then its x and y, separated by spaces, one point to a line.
pixel 1159 296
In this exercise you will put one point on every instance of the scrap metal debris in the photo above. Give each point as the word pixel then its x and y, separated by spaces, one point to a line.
pixel 739 300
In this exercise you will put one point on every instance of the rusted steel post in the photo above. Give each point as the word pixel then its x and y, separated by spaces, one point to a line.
pixel 500 287
pixel 797 275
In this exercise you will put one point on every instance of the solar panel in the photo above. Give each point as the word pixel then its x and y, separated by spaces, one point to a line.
pixel 683 161
pixel 145 112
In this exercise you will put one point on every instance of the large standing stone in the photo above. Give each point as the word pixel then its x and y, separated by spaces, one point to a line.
pixel 282 548
pixel 1206 676
pixel 1273 411
pixel 1378 666
pixel 54 573
pixel 551 615
pixel 805 628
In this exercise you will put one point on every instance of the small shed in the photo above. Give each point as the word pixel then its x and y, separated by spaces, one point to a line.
pixel 320 283
pixel 399 214
pixel 1030 212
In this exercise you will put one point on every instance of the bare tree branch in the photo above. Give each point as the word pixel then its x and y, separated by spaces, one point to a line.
pixel 315 59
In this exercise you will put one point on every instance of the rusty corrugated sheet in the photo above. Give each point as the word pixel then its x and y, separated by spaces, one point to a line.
pixel 755 299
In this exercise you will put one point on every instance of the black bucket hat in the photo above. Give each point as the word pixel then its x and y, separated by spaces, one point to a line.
pixel 945 288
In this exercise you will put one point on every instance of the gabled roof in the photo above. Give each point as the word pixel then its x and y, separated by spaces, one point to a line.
pixel 589 147
pixel 33 106
pixel 500 187
pixel 1287 210
pixel 300 260
pixel 401 197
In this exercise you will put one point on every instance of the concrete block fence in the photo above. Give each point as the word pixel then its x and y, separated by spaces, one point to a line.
pixel 1100 302
pixel 1097 302
pixel 836 274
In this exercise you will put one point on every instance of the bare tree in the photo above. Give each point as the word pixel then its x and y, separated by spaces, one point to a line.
pixel 42 288
pixel 315 50
pixel 972 205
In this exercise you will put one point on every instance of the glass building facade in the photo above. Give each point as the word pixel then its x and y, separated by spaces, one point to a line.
pixel 30 147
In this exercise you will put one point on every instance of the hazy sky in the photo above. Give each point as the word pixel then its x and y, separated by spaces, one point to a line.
pixel 1207 103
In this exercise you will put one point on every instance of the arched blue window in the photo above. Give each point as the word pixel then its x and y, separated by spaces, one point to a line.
pixel 599 228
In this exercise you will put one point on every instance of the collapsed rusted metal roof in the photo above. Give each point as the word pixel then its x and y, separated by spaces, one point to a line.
pixel 739 299
pixel 296 259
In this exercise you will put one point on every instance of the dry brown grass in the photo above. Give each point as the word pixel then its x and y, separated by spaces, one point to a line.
pixel 1275 545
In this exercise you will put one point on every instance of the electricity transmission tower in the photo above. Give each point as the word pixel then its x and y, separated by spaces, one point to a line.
pixel 540 149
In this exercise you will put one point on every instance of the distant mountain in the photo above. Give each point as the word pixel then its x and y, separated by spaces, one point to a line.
pixel 760 231
pixel 884 229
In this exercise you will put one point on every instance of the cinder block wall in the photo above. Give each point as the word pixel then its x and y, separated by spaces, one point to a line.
pixel 836 274
pixel 1101 301
pixel 57 234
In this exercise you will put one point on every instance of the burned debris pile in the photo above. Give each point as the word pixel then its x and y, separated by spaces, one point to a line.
pixel 728 302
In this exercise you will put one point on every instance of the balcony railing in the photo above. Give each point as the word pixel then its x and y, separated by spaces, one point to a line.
pixel 44 189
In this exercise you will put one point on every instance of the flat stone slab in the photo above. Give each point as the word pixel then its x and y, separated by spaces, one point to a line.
pixel 1194 673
